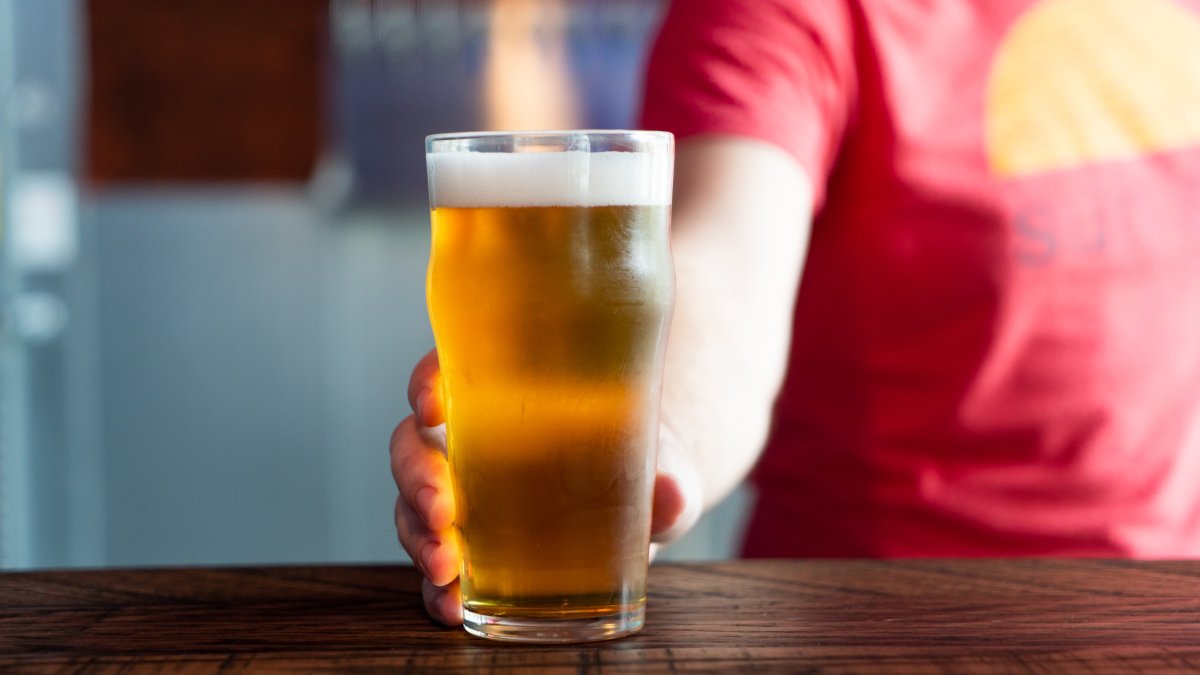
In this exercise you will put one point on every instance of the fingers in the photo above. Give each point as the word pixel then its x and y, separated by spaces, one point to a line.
pixel 444 603
pixel 421 472
pixel 434 552
pixel 425 391
pixel 678 496
pixel 424 509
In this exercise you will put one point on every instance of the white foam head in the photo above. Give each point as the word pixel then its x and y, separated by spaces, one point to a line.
pixel 478 179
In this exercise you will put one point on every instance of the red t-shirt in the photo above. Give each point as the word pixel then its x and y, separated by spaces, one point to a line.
pixel 997 335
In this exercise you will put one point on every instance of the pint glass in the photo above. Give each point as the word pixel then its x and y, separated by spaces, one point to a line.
pixel 550 290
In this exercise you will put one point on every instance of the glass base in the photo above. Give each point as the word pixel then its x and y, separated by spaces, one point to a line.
pixel 550 631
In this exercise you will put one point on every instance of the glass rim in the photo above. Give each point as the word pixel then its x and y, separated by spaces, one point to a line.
pixel 643 134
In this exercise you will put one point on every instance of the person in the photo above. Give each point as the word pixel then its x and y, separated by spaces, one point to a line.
pixel 939 259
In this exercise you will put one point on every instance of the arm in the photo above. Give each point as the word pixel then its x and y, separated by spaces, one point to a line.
pixel 739 234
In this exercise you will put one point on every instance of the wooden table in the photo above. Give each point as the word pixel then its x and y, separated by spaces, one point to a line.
pixel 788 616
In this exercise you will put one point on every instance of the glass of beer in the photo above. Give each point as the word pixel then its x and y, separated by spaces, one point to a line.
pixel 550 292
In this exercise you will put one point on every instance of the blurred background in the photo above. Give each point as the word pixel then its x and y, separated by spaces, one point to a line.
pixel 213 239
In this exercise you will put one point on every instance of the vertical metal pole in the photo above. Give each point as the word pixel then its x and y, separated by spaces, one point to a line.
pixel 16 548
pixel 51 464
pixel 84 482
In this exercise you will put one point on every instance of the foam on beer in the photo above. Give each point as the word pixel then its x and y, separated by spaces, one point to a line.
pixel 482 179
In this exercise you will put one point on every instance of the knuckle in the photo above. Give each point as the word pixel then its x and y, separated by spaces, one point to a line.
pixel 410 540
pixel 405 442
pixel 405 429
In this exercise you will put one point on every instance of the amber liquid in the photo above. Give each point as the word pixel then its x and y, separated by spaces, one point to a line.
pixel 550 325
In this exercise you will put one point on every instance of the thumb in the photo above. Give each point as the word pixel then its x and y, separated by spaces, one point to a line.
pixel 678 493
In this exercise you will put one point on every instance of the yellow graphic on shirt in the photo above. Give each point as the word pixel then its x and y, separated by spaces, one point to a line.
pixel 1082 81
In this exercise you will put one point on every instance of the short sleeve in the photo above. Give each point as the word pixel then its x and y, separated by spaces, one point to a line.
pixel 780 71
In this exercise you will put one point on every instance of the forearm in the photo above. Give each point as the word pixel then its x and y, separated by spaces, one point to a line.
pixel 738 253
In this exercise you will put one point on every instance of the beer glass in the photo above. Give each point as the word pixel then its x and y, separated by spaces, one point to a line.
pixel 550 291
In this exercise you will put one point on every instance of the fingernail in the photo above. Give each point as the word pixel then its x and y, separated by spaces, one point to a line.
pixel 422 404
pixel 426 496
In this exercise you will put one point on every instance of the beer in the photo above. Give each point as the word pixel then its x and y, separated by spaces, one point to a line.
pixel 550 313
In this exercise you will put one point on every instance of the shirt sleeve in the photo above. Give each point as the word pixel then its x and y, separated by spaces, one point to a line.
pixel 781 71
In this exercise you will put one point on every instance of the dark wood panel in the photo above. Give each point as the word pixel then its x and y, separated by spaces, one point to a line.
pixel 821 616
pixel 203 90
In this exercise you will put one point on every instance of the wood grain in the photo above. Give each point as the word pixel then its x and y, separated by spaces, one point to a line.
pixel 747 616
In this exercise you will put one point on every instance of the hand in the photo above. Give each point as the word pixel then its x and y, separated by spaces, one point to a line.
pixel 425 506
pixel 424 509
